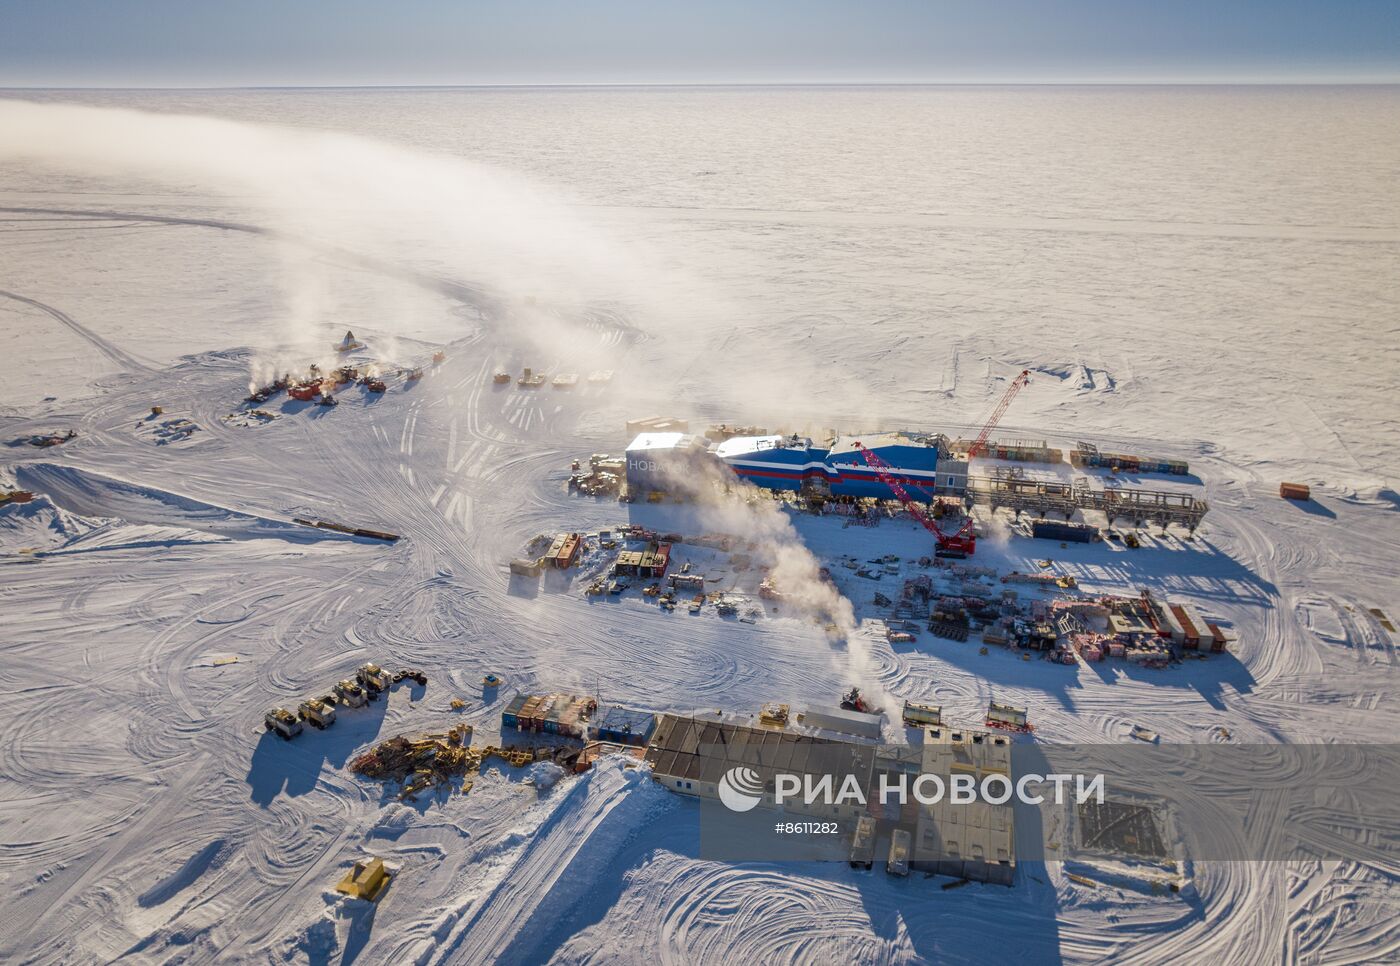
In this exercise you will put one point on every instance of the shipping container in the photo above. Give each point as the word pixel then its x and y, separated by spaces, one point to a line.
pixel 626 726
pixel 1065 532
pixel 842 721
pixel 511 715
pixel 1007 715
pixel 917 715
pixel 1295 491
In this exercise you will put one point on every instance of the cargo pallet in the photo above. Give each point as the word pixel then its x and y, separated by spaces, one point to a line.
pixel 952 632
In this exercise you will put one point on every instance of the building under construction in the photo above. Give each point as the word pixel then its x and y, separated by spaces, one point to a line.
pixel 1130 504
pixel 974 841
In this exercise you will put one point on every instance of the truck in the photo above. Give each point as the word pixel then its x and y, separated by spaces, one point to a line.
pixel 283 722
pixel 898 862
pixel 317 712
pixel 373 679
pixel 350 694
pixel 863 844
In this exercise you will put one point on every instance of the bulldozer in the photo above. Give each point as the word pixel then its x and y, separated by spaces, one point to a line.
pixel 373 679
pixel 283 722
pixel 317 713
pixel 350 694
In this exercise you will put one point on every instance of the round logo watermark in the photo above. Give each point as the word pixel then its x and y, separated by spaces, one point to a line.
pixel 740 789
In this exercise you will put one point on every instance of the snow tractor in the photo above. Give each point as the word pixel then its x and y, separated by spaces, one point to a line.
pixel 853 700
pixel 317 713
pixel 373 679
pixel 283 722
pixel 350 694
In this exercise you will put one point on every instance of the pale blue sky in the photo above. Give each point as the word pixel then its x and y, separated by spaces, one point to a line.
pixel 372 42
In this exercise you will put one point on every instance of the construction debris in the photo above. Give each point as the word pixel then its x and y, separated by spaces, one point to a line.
pixel 56 438
pixel 437 759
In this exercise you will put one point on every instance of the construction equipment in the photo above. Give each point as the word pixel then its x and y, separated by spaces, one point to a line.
pixel 414 374
pixel 1016 386
pixel 530 379
pixel 373 679
pixel 917 715
pixel 283 722
pixel 45 440
pixel 1008 718
pixel 491 681
pixel 963 542
pixel 863 843
pixel 328 400
pixel 501 378
pixel 376 385
pixel 350 694
pixel 898 861
pixel 367 880
pixel 439 357
pixel 1144 734
pixel 774 714
pixel 853 700
pixel 317 713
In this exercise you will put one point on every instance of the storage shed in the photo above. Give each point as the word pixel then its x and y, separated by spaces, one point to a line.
pixel 626 726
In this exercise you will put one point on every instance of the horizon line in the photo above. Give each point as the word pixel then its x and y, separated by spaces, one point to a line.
pixel 1392 82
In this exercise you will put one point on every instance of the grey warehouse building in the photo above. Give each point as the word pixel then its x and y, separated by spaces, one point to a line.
pixel 971 841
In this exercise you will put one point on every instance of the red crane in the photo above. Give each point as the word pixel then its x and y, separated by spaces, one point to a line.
pixel 1017 384
pixel 963 541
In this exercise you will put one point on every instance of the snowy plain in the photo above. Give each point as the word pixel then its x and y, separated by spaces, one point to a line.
pixel 1206 274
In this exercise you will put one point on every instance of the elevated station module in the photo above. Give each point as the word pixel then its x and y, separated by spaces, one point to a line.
pixel 922 463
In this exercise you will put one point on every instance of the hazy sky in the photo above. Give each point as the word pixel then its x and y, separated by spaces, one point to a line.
pixel 352 42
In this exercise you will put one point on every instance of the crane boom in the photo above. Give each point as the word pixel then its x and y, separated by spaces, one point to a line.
pixel 959 544
pixel 1016 385
pixel 963 541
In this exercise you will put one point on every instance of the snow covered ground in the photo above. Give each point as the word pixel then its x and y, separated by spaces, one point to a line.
pixel 145 814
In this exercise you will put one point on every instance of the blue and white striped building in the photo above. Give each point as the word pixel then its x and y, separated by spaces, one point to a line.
pixel 922 464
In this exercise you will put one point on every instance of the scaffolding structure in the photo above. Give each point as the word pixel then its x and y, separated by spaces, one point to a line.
pixel 1044 497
